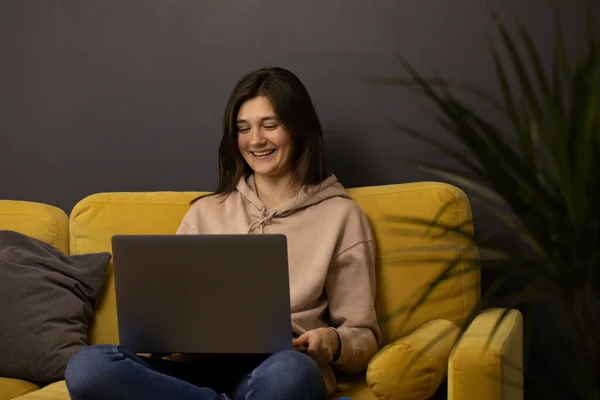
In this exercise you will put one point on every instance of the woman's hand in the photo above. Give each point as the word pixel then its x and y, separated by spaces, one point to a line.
pixel 323 344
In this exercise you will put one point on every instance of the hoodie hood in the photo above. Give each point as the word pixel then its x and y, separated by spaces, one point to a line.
pixel 307 196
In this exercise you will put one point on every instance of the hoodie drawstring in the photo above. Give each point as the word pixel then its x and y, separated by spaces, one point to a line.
pixel 264 219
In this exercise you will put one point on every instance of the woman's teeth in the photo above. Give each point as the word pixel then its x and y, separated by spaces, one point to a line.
pixel 263 153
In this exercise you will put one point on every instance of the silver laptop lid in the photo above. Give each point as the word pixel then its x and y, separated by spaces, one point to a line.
pixel 202 293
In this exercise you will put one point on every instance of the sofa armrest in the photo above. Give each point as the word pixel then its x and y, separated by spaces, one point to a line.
pixel 412 368
pixel 493 371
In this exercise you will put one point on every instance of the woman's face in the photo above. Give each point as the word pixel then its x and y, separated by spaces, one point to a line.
pixel 262 140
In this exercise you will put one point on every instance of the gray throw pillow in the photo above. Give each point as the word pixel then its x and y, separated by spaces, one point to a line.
pixel 46 303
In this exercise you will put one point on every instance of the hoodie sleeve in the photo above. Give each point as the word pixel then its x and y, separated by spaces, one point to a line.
pixel 350 290
pixel 186 229
pixel 190 221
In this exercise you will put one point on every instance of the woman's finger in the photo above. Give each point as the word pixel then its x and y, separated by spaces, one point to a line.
pixel 302 340
pixel 313 345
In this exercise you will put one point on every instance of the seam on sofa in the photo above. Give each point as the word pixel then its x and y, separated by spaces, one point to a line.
pixel 125 200
pixel 462 258
pixel 440 185
pixel 428 185
pixel 24 391
pixel 122 201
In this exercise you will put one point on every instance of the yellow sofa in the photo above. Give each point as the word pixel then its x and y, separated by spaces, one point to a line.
pixel 418 353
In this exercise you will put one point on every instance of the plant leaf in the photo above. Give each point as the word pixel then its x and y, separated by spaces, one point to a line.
pixel 467 162
pixel 445 83
pixel 466 183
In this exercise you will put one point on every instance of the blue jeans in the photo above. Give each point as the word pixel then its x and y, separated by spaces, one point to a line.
pixel 111 372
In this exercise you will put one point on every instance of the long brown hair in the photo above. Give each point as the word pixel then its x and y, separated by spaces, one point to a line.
pixel 294 109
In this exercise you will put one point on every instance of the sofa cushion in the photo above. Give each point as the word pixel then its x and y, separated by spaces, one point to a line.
pixel 11 388
pixel 55 391
pixel 46 301
pixel 412 368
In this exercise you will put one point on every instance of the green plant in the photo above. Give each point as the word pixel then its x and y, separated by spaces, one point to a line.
pixel 540 178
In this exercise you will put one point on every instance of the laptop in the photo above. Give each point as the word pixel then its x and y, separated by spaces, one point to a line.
pixel 205 294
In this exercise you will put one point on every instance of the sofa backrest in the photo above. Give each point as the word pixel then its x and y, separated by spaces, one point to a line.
pixel 94 221
pixel 46 223
pixel 409 255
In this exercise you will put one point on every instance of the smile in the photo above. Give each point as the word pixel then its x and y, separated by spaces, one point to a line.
pixel 262 153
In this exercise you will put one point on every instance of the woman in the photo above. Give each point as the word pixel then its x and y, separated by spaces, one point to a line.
pixel 271 180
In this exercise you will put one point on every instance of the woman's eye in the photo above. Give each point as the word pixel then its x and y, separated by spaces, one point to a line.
pixel 243 129
pixel 272 126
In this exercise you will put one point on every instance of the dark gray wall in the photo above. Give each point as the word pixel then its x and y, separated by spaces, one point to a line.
pixel 127 95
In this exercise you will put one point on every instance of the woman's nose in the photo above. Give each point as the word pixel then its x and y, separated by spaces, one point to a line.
pixel 256 137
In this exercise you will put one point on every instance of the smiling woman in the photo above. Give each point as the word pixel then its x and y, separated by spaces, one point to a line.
pixel 271 181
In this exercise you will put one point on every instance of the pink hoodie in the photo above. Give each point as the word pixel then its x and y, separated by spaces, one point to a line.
pixel 331 255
